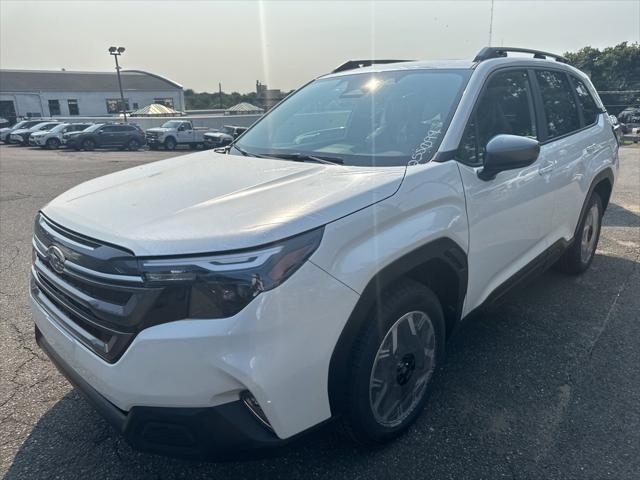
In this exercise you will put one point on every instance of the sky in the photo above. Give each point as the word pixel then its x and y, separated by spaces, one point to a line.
pixel 286 43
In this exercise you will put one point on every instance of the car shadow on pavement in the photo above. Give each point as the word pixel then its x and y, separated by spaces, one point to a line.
pixel 492 411
pixel 618 216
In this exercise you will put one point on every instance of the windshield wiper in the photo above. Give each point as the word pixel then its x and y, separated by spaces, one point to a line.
pixel 303 157
pixel 244 152
pixel 298 157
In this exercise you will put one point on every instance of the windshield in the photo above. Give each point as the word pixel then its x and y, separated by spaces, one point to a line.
pixel 227 130
pixel 42 126
pixel 93 128
pixel 172 124
pixel 369 119
pixel 19 125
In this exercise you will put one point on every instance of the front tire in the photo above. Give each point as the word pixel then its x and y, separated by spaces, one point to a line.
pixel 392 364
pixel 170 144
pixel 580 254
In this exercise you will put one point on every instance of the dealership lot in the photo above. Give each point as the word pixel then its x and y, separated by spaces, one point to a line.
pixel 545 385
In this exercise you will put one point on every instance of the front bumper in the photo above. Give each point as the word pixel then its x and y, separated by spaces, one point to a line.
pixel 16 138
pixel 154 140
pixel 213 432
pixel 278 348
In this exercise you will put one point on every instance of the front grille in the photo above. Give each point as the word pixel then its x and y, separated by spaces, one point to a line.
pixel 96 293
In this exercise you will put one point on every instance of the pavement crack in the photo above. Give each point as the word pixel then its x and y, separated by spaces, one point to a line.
pixel 607 319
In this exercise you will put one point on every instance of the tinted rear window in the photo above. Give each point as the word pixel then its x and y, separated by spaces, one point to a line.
pixel 590 110
pixel 561 111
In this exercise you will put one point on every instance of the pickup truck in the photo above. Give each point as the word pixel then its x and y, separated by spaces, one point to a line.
pixel 174 133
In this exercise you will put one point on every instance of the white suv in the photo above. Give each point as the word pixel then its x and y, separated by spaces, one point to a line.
pixel 213 303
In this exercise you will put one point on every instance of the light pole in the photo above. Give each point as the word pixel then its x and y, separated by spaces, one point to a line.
pixel 117 51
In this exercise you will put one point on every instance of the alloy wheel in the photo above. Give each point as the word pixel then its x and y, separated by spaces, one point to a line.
pixel 402 369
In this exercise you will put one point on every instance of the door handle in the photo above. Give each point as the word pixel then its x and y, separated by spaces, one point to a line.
pixel 548 167
pixel 591 148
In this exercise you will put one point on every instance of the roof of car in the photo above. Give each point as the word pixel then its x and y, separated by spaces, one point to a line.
pixel 443 64
pixel 408 65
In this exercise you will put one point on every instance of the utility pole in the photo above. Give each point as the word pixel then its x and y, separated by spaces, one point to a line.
pixel 491 25
pixel 220 94
pixel 117 51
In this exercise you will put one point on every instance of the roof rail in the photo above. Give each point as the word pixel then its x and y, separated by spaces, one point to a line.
pixel 352 64
pixel 496 52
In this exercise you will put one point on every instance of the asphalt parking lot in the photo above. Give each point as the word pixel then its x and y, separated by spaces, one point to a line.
pixel 544 385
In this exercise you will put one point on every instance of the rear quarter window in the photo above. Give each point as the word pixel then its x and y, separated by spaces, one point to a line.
pixel 590 109
pixel 560 109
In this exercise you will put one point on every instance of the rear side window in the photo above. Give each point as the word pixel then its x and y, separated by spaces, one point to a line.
pixel 560 109
pixel 505 106
pixel 590 110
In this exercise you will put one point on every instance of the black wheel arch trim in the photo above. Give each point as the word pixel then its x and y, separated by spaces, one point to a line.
pixel 443 249
pixel 605 174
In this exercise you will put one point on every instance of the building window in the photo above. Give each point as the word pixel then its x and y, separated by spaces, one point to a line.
pixel 54 107
pixel 114 105
pixel 73 107
pixel 167 102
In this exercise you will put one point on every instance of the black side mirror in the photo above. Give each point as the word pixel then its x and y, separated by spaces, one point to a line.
pixel 508 152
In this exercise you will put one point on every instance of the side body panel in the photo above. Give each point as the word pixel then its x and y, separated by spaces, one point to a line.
pixel 509 225
pixel 429 205
pixel 579 158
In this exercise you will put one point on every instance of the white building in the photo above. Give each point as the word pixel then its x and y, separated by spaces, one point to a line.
pixel 39 93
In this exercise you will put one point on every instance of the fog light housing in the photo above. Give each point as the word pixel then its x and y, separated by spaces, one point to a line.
pixel 254 407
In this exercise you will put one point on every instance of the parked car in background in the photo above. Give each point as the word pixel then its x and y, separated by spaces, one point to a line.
pixel 5 133
pixel 4 123
pixel 223 137
pixel 174 133
pixel 21 136
pixel 52 139
pixel 108 135
pixel 617 127
pixel 629 119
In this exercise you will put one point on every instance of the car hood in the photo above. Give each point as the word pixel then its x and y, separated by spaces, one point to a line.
pixel 160 130
pixel 216 134
pixel 20 131
pixel 209 202
pixel 5 130
pixel 40 134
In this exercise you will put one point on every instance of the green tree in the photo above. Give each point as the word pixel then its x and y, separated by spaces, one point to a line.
pixel 612 69
pixel 204 100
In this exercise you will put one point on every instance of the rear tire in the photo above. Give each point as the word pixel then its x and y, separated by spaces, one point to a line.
pixel 53 144
pixel 133 145
pixel 89 145
pixel 392 364
pixel 580 254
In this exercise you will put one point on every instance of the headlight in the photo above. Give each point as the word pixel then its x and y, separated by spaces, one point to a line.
pixel 219 286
